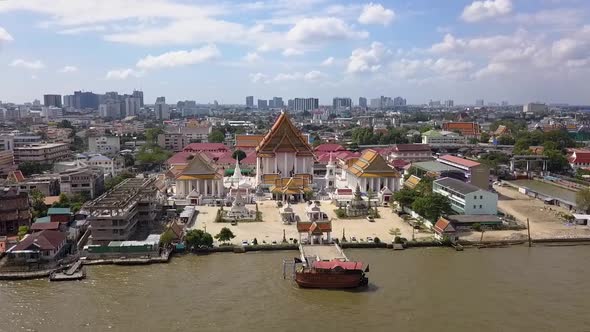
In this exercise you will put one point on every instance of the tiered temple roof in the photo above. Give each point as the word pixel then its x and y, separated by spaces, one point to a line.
pixel 372 165
pixel 283 137
pixel 199 167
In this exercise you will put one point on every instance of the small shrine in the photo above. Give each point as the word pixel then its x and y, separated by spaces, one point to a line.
pixel 238 210
pixel 287 214
pixel 357 207
pixel 313 232
pixel 314 213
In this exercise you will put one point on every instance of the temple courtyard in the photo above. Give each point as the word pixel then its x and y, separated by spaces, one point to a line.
pixel 271 228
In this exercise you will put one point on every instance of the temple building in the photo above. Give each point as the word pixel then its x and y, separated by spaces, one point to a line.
pixel 372 173
pixel 199 181
pixel 284 161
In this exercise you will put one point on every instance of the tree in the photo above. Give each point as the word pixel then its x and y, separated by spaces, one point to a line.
pixel 557 161
pixel 225 235
pixel 583 199
pixel 239 155
pixel 65 124
pixel 166 238
pixel 22 231
pixel 38 203
pixel 216 136
pixel 405 197
pixel 151 135
pixel 197 238
pixel 29 168
pixel 432 206
pixel 484 138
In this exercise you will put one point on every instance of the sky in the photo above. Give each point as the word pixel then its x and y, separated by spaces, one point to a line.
pixel 497 50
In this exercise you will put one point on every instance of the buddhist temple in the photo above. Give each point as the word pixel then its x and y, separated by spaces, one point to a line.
pixel 284 161
pixel 199 180
pixel 372 173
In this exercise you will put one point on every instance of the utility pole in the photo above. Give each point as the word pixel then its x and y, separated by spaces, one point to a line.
pixel 528 228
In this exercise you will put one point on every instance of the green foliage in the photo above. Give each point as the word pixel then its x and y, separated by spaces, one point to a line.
pixel 340 213
pixel 38 203
pixel 225 235
pixel 22 231
pixel 65 124
pixel 255 242
pixel 74 202
pixel 151 135
pixel 216 136
pixel 239 155
pixel 583 199
pixel 484 138
pixel 505 140
pixel 432 206
pixel 364 136
pixel 476 227
pixel 197 238
pixel 405 197
pixel 167 237
pixel 152 155
pixel 494 158
pixel 377 240
pixel 28 168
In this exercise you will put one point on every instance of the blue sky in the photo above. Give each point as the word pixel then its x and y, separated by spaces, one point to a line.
pixel 514 50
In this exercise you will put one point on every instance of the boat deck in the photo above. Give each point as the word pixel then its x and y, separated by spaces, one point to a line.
pixel 322 252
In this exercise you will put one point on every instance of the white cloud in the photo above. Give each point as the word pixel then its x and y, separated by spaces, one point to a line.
pixel 492 69
pixel 34 77
pixel 292 51
pixel 123 74
pixel 448 44
pixel 328 62
pixel 252 57
pixel 366 60
pixel 258 77
pixel 179 58
pixel 34 65
pixel 83 29
pixel 451 66
pixel 68 69
pixel 313 75
pixel 376 14
pixel 319 29
pixel 486 9
pixel 5 36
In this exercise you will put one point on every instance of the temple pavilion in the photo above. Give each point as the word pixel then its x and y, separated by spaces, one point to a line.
pixel 199 180
pixel 370 172
pixel 284 161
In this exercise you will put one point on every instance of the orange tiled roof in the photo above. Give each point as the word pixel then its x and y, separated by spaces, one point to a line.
pixel 284 137
pixel 372 164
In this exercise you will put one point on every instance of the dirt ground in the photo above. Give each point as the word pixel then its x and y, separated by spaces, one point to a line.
pixel 271 228
pixel 544 219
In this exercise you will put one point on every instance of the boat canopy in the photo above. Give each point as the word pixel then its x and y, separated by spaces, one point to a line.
pixel 333 264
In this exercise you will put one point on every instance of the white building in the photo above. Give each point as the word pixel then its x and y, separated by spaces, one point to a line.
pixel 132 105
pixel 104 144
pixel 466 198
pixel 372 173
pixel 161 109
pixel 442 137
pixel 534 108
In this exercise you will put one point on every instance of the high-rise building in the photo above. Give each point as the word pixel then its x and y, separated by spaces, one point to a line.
pixel 479 102
pixel 363 102
pixel 306 104
pixel 449 103
pixel 111 109
pixel 434 103
pixel 341 103
pixel 81 100
pixel 250 101
pixel 399 101
pixel 278 102
pixel 52 100
pixel 505 103
pixel 534 108
pixel 291 104
pixel 262 104
pixel 138 94
pixel 132 105
pixel 161 109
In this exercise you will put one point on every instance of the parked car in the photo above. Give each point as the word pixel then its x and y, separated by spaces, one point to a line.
pixel 274 243
pixel 245 243
pixel 370 219
pixel 353 239
pixel 369 239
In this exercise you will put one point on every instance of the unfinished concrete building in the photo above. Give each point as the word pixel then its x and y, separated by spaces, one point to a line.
pixel 127 211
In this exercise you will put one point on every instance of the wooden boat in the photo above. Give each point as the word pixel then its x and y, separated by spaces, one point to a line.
pixel 332 274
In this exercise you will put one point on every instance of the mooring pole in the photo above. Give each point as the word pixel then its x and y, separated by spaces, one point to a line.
pixel 528 228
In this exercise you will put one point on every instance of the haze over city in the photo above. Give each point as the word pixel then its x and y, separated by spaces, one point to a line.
pixel 494 50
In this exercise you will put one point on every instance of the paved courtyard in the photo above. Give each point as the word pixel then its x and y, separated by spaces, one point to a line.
pixel 271 228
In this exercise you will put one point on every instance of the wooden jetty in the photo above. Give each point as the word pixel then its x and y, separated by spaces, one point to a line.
pixel 74 272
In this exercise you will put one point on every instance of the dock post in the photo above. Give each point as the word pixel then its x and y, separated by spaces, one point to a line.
pixel 528 228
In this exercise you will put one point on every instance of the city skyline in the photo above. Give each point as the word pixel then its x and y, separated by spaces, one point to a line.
pixel 494 50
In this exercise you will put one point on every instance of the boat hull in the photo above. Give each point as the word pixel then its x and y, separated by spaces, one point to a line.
pixel 330 280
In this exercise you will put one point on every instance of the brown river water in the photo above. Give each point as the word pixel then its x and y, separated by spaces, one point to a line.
pixel 437 289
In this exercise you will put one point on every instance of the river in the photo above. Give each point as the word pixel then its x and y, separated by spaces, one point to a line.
pixel 435 289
